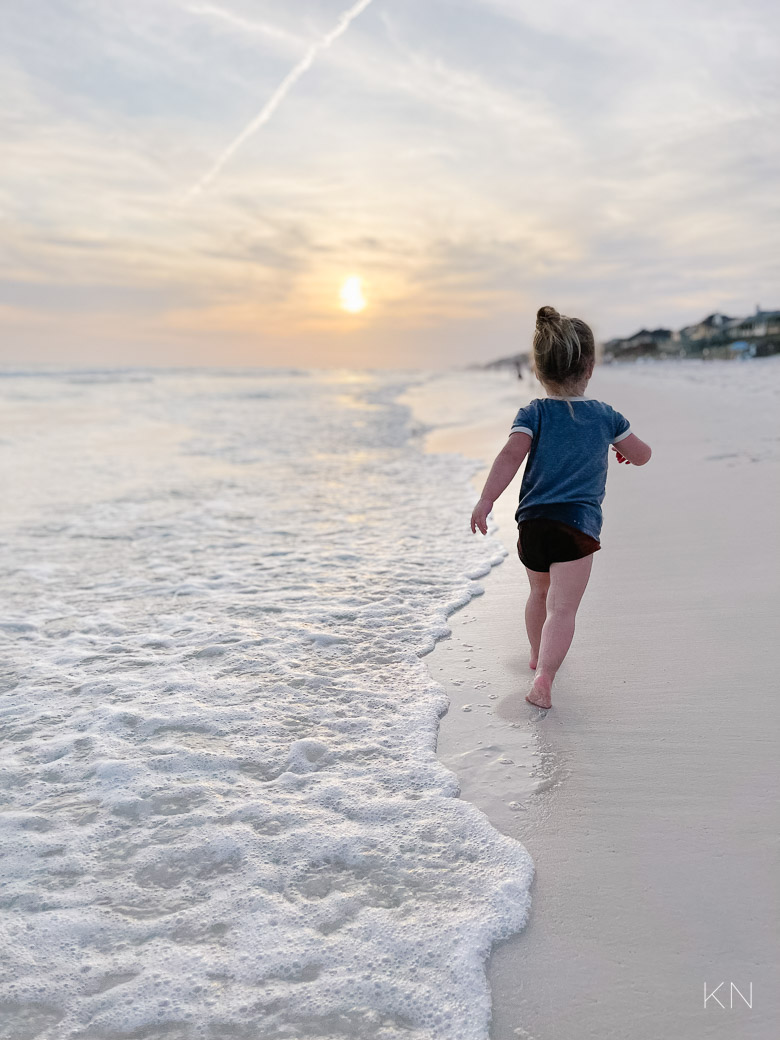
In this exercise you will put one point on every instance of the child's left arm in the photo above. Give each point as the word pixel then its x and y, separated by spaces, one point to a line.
pixel 501 474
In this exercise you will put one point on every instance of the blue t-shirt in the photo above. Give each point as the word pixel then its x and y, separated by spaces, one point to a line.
pixel 566 469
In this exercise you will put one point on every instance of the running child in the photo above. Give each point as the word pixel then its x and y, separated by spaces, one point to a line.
pixel 566 436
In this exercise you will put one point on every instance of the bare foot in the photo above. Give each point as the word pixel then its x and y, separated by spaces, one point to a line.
pixel 540 694
pixel 532 662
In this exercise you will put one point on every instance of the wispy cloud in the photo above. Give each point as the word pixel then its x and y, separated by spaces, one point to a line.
pixel 468 160
pixel 279 95
pixel 244 25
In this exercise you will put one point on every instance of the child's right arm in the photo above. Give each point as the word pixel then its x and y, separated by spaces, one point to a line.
pixel 501 474
pixel 633 450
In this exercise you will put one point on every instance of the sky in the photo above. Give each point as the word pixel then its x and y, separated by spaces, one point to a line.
pixel 192 183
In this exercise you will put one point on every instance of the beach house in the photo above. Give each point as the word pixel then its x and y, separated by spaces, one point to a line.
pixel 646 342
pixel 716 336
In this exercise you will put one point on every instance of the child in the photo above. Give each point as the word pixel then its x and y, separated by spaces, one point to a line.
pixel 566 437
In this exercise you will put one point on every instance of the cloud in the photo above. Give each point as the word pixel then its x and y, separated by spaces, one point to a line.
pixel 242 24
pixel 468 159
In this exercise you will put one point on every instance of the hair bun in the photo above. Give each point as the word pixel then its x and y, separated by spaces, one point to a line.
pixel 547 314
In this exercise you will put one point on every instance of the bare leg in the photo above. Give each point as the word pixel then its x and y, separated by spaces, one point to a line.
pixel 536 610
pixel 567 584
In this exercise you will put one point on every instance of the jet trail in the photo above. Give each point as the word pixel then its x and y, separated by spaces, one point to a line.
pixel 278 96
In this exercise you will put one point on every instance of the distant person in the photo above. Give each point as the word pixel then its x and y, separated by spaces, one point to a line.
pixel 566 437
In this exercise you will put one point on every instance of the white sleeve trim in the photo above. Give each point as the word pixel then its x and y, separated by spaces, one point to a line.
pixel 522 429
pixel 620 436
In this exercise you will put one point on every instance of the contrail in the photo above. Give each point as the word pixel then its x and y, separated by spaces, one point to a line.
pixel 279 95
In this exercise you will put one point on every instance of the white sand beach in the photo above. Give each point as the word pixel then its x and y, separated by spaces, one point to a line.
pixel 648 795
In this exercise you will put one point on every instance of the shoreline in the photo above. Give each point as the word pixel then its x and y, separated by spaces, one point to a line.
pixel 649 816
pixel 503 765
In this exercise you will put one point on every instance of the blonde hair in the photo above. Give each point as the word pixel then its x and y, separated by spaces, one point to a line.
pixel 564 348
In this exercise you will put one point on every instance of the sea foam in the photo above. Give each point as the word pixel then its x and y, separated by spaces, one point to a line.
pixel 223 814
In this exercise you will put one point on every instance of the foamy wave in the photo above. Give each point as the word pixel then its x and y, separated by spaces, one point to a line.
pixel 224 811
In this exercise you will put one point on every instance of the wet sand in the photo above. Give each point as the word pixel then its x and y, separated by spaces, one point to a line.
pixel 648 795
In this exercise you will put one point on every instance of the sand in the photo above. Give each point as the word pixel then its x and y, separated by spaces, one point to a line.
pixel 648 795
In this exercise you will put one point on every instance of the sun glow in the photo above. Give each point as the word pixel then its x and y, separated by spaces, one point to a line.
pixel 351 295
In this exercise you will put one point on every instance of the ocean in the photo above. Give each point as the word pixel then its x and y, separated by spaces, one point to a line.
pixel 222 810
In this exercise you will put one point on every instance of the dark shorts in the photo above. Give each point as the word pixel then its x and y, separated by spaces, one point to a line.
pixel 543 541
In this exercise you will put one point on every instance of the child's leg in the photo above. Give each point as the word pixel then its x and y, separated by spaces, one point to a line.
pixel 567 585
pixel 536 610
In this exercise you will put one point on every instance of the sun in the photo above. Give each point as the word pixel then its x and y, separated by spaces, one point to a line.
pixel 351 295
